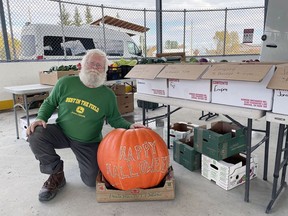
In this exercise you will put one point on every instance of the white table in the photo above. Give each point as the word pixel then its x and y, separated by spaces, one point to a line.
pixel 282 120
pixel 250 114
pixel 25 90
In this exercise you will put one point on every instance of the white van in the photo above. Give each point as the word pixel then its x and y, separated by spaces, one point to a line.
pixel 275 37
pixel 46 41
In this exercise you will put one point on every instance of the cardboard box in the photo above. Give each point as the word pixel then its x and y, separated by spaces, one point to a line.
pixel 23 123
pixel 33 100
pixel 147 81
pixel 125 98
pixel 185 154
pixel 119 89
pixel 230 172
pixel 164 191
pixel 126 108
pixel 279 83
pixel 50 78
pixel 242 85
pixel 179 130
pixel 221 141
pixel 184 82
pixel 125 103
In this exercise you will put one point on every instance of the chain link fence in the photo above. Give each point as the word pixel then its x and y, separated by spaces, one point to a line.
pixel 53 29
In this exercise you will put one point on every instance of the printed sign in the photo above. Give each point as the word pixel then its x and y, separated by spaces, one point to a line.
pixel 248 35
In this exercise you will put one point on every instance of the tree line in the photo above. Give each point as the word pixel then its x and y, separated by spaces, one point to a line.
pixel 76 20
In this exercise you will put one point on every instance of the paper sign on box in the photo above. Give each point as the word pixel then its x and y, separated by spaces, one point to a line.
pixel 184 82
pixel 146 80
pixel 241 85
pixel 279 83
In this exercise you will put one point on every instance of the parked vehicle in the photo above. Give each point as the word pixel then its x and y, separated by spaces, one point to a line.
pixel 46 41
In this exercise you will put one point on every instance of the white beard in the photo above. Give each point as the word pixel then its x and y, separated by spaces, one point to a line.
pixel 92 78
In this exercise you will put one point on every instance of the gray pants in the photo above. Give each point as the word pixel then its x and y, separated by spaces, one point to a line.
pixel 44 141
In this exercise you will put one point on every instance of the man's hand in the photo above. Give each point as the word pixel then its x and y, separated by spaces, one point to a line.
pixel 33 125
pixel 137 125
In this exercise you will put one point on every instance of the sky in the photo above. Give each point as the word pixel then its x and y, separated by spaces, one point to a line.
pixel 179 4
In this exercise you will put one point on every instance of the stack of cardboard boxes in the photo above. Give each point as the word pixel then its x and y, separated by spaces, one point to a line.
pixel 125 100
pixel 235 84
pixel 220 147
pixel 181 138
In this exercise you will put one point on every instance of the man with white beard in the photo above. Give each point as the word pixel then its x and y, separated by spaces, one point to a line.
pixel 83 104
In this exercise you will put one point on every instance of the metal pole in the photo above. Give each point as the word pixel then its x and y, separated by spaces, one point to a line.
pixel 62 29
pixel 192 38
pixel 145 35
pixel 11 30
pixel 103 23
pixel 159 25
pixel 184 31
pixel 225 29
pixel 248 159
pixel 4 32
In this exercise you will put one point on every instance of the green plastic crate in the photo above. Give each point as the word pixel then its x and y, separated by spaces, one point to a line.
pixel 185 154
pixel 221 141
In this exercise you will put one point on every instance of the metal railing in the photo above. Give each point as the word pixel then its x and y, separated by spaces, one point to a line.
pixel 214 32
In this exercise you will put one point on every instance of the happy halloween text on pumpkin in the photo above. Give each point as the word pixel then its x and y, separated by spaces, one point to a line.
pixel 140 159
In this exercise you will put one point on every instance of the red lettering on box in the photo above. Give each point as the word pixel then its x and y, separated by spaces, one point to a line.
pixel 198 96
pixel 218 82
pixel 255 103
pixel 158 92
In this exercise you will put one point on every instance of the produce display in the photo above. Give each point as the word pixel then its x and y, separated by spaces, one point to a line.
pixel 124 62
pixel 152 60
pixel 134 158
pixel 64 68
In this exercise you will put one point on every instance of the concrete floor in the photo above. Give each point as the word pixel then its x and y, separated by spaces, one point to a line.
pixel 21 181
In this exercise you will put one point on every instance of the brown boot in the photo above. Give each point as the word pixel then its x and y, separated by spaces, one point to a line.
pixel 50 188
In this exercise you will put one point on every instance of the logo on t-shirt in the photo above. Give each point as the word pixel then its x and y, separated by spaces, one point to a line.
pixel 80 109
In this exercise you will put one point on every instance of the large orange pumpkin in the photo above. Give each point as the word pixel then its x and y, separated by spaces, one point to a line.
pixel 134 158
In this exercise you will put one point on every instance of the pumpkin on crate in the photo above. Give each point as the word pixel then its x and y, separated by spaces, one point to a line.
pixel 133 158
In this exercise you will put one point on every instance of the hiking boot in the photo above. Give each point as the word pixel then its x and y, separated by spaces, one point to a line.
pixel 53 184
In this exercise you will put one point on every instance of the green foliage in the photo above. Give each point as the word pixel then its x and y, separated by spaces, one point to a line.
pixel 122 61
pixel 77 17
pixel 193 59
pixel 171 44
pixel 65 16
pixel 63 68
pixel 88 15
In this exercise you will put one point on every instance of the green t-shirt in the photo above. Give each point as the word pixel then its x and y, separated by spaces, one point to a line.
pixel 82 110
